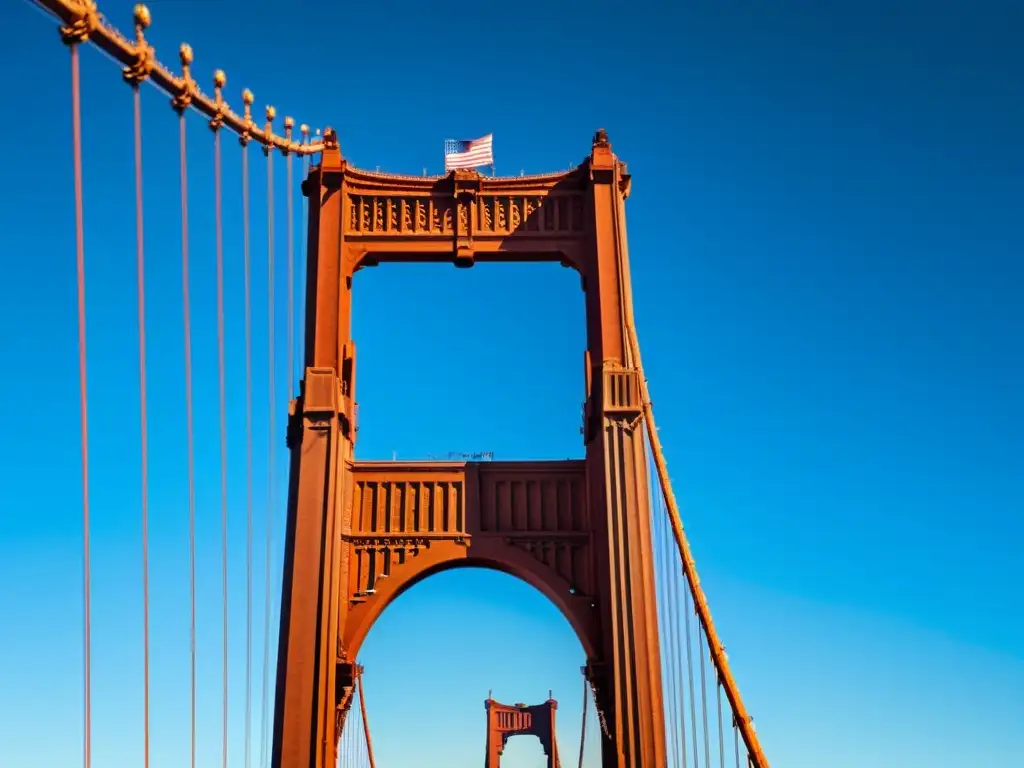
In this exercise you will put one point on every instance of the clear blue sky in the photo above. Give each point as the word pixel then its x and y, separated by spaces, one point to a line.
pixel 826 241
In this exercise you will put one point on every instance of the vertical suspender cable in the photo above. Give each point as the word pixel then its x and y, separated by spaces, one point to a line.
pixel 291 276
pixel 187 313
pixel 689 670
pixel 744 721
pixel 248 455
pixel 76 139
pixel 675 634
pixel 703 695
pixel 671 594
pixel 270 448
pixel 366 723
pixel 143 420
pixel 222 383
pixel 583 727
pixel 662 603
pixel 721 731
pixel 346 732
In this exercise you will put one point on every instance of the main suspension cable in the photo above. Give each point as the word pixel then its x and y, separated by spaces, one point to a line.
pixel 218 192
pixel 143 416
pixel 72 38
pixel 715 647
pixel 86 24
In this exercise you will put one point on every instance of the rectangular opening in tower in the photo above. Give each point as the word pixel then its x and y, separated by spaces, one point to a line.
pixel 480 363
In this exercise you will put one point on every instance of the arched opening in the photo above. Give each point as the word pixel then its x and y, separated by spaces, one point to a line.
pixel 526 752
pixel 435 653
pixel 575 609
pixel 487 360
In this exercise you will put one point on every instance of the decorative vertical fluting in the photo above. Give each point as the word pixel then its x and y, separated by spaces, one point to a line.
pixel 627 677
pixel 320 434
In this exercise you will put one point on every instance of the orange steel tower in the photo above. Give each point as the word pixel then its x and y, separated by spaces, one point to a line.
pixel 504 721
pixel 359 533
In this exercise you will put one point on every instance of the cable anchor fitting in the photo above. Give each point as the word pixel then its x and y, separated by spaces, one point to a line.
pixel 219 81
pixel 84 20
pixel 183 98
pixel 138 72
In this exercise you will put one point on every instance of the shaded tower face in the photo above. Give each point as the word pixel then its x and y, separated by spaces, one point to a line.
pixel 505 721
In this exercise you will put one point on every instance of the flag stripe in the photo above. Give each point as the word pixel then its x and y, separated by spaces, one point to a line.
pixel 468 154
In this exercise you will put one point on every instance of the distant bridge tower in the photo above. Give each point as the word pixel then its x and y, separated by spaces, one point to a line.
pixel 504 721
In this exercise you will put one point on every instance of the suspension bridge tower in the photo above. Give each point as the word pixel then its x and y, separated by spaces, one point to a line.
pixel 359 533
pixel 505 721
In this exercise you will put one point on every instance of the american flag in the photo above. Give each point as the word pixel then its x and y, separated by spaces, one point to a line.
pixel 468 154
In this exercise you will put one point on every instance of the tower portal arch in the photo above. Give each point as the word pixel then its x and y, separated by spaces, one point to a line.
pixel 359 533
pixel 525 519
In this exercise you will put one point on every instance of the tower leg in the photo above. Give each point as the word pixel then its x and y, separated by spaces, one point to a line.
pixel 307 675
pixel 629 681
pixel 627 676
pixel 313 672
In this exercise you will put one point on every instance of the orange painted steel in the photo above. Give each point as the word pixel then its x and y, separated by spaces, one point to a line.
pixel 744 722
pixel 366 722
pixel 83 397
pixel 360 533
pixel 84 22
pixel 505 721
